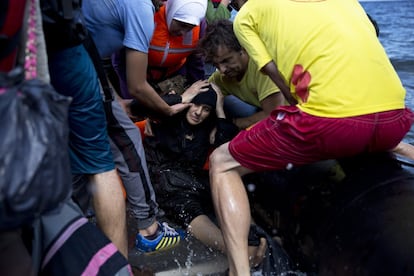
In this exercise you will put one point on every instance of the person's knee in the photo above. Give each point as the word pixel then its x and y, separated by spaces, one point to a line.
pixel 217 159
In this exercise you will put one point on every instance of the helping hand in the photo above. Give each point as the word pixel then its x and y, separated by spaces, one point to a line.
pixel 193 90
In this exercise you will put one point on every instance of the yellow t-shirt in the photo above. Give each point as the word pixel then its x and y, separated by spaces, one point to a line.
pixel 253 87
pixel 327 51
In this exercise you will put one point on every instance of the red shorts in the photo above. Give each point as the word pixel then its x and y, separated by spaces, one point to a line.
pixel 290 136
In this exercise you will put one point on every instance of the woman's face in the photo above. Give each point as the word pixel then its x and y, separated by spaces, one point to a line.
pixel 196 114
pixel 178 28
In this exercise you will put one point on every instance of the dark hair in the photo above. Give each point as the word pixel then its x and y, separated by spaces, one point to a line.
pixel 219 33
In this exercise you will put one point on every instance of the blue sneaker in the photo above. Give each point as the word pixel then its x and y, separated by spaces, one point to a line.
pixel 167 238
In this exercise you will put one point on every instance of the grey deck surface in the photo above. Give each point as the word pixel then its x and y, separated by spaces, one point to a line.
pixel 189 257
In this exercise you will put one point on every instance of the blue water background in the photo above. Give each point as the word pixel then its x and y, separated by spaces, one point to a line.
pixel 396 23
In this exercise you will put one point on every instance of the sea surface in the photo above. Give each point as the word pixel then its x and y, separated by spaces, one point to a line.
pixel 396 25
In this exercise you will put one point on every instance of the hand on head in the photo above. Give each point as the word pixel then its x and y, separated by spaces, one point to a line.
pixel 220 97
pixel 193 90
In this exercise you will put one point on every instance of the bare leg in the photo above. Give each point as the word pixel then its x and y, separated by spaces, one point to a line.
pixel 232 208
pixel 109 204
pixel 207 232
pixel 405 150
pixel 150 230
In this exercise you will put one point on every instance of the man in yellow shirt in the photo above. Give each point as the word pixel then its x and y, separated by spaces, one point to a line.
pixel 345 96
pixel 237 75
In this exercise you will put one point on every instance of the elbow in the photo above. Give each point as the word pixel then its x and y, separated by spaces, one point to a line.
pixel 136 91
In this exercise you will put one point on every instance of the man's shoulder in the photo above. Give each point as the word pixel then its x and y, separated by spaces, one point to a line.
pixel 145 8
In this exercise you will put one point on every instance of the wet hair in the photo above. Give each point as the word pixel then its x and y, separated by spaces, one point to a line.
pixel 219 33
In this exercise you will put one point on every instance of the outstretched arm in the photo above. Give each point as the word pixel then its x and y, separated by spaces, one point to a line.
pixel 140 89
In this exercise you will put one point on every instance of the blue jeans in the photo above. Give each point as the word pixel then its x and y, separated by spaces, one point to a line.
pixel 236 108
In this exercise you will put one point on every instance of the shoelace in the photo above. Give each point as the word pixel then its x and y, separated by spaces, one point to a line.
pixel 169 230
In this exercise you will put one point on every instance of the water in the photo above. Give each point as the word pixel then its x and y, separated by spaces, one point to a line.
pixel 396 23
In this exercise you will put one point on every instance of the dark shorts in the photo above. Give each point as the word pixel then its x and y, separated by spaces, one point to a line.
pixel 72 74
pixel 290 137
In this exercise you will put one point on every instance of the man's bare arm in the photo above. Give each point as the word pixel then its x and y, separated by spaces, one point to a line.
pixel 271 70
pixel 139 88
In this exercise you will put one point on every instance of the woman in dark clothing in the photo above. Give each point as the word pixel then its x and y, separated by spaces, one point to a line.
pixel 176 155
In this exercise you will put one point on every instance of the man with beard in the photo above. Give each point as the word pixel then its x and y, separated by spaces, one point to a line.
pixel 250 95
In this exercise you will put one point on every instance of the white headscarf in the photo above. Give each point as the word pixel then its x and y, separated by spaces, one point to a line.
pixel 188 11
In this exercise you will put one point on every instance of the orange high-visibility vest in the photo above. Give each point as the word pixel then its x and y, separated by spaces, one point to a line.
pixel 168 53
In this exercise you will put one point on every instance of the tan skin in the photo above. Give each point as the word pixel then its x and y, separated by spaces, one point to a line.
pixel 232 207
pixel 110 217
pixel 271 70
pixel 405 150
pixel 233 65
pixel 196 114
pixel 139 88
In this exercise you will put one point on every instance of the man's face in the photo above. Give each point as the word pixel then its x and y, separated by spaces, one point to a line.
pixel 232 64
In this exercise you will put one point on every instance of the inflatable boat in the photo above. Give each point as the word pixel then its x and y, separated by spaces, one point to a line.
pixel 336 217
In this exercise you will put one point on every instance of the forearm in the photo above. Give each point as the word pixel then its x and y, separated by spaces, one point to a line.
pixel 220 112
pixel 138 87
pixel 138 109
pixel 271 70
pixel 146 95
